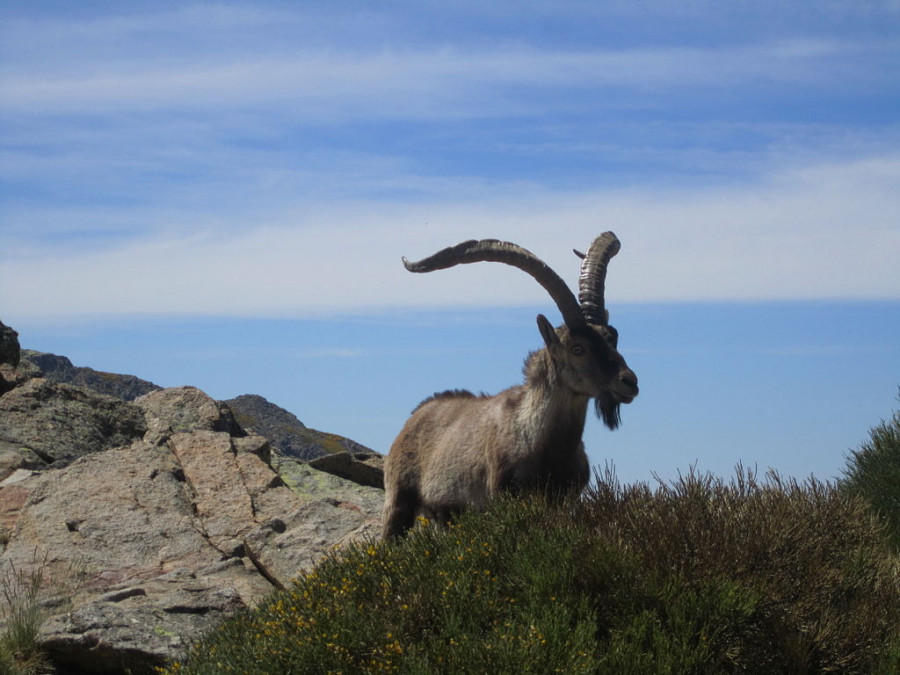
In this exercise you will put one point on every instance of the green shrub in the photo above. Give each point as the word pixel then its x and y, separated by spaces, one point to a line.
pixel 698 576
pixel 873 472
pixel 812 558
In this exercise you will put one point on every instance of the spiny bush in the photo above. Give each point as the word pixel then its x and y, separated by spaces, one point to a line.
pixel 873 472
pixel 697 576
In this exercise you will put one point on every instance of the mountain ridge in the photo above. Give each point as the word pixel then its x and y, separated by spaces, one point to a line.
pixel 287 434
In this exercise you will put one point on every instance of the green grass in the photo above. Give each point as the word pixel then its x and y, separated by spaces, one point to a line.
pixel 697 576
pixel 26 592
pixel 21 617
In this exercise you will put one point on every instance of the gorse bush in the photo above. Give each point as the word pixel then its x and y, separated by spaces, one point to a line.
pixel 698 576
pixel 470 599
pixel 873 472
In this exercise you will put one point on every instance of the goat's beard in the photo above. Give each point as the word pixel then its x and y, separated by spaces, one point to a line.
pixel 608 410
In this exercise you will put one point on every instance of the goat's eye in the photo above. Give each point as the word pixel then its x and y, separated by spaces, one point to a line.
pixel 577 350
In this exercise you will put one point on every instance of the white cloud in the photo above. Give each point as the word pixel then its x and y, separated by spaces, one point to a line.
pixel 189 160
pixel 417 83
pixel 817 232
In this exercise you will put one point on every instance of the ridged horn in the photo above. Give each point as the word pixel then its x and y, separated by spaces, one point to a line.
pixel 493 250
pixel 592 281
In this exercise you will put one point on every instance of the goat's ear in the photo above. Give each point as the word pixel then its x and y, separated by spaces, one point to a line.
pixel 548 332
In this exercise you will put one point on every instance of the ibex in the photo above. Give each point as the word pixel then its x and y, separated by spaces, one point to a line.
pixel 458 450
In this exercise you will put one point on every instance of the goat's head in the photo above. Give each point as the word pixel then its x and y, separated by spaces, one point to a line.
pixel 586 361
pixel 584 350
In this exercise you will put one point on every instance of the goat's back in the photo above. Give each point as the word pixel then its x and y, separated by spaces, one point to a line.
pixel 445 451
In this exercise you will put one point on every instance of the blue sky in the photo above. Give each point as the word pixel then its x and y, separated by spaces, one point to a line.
pixel 219 194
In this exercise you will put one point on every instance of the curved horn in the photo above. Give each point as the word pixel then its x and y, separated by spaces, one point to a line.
pixel 493 250
pixel 592 281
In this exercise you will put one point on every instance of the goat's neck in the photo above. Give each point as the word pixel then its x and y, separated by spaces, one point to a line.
pixel 550 414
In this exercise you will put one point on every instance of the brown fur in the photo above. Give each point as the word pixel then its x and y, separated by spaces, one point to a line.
pixel 458 450
pixel 450 393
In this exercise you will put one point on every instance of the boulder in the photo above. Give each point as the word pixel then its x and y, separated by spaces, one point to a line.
pixel 59 422
pixel 182 409
pixel 13 371
pixel 312 484
pixel 362 469
pixel 14 376
pixel 9 346
pixel 13 458
pixel 137 628
pixel 282 545
pixel 224 485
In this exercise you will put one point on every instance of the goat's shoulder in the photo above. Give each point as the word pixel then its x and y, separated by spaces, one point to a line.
pixel 449 395
pixel 511 398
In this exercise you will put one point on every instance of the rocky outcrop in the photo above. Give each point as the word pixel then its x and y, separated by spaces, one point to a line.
pixel 171 411
pixel 159 539
pixel 60 423
pixel 9 346
pixel 152 521
pixel 360 468
pixel 13 371
pixel 60 369
pixel 288 435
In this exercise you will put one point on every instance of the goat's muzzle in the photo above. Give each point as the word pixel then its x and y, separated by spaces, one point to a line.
pixel 627 387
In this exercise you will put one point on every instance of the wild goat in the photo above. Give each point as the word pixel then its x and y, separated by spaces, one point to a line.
pixel 458 450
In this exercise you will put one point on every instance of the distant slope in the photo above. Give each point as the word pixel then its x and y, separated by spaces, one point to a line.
pixel 60 369
pixel 287 434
